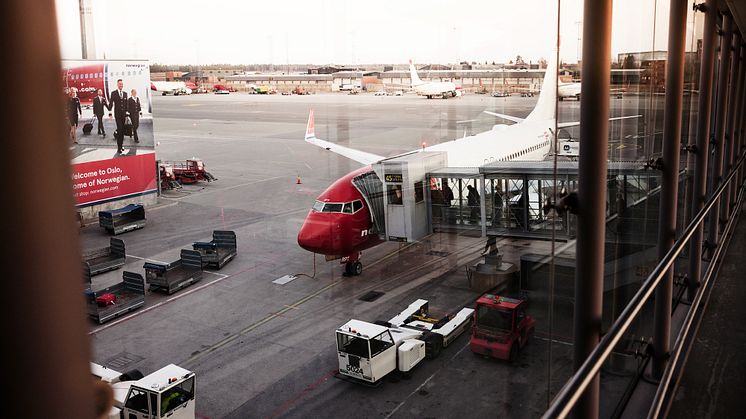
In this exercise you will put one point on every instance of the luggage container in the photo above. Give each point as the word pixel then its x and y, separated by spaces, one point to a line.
pixel 103 259
pixel 126 296
pixel 123 219
pixel 171 277
pixel 219 251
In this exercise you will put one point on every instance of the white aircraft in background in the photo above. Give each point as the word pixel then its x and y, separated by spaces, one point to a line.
pixel 443 89
pixel 170 88
pixel 572 90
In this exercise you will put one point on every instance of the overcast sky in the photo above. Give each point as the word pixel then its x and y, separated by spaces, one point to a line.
pixel 343 32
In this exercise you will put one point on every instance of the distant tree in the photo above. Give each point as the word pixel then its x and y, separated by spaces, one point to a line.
pixel 542 63
pixel 629 62
pixel 519 60
pixel 493 63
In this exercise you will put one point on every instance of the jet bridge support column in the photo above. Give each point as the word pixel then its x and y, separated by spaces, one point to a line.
pixel 589 272
pixel 719 141
pixel 699 189
pixel 670 180
pixel 735 84
pixel 483 206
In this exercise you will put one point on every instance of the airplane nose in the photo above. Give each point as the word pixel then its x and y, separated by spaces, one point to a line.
pixel 315 236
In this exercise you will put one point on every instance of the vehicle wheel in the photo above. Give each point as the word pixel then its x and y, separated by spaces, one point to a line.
pixel 445 96
pixel 577 97
pixel 560 98
pixel 513 352
pixel 429 97
pixel 357 268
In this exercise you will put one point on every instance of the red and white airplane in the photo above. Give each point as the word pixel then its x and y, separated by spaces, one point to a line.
pixel 340 224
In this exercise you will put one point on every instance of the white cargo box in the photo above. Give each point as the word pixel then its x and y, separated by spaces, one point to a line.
pixel 411 352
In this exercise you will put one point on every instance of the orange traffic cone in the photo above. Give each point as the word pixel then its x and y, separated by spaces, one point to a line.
pixel 297 181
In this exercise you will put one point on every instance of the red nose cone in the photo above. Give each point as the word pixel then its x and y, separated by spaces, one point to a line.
pixel 316 234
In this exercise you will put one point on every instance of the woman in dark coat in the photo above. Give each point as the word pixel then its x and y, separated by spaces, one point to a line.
pixel 73 110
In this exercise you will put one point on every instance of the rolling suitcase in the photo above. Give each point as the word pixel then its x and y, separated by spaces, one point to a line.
pixel 88 127
pixel 127 129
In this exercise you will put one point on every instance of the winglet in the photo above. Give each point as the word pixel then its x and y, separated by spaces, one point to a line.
pixel 309 128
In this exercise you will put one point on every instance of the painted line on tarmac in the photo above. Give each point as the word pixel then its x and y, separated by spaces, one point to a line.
pixel 164 302
pixel 261 322
pixel 147 259
pixel 311 387
pixel 424 383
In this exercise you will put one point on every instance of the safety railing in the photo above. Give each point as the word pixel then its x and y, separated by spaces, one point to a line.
pixel 568 396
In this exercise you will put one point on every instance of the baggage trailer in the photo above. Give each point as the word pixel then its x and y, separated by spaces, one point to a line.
pixel 171 277
pixel 118 299
pixel 169 393
pixel 219 251
pixel 369 351
pixel 123 219
pixel 104 259
pixel 189 171
pixel 501 327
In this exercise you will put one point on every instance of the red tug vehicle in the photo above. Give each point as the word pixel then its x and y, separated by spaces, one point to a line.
pixel 184 172
pixel 501 327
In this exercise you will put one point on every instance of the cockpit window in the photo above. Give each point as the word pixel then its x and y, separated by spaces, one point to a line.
pixel 332 207
pixel 347 209
pixel 318 206
pixel 356 206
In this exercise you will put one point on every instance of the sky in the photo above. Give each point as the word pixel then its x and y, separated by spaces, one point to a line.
pixel 343 32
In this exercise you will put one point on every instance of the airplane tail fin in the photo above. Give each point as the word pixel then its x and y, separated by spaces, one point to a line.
pixel 546 105
pixel 310 127
pixel 413 75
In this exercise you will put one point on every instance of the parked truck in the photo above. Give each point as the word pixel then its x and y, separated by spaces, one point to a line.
pixel 221 250
pixel 501 327
pixel 369 351
pixel 117 299
pixel 103 259
pixel 171 277
pixel 169 393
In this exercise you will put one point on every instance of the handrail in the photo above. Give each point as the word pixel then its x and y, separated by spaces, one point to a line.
pixel 660 394
pixel 576 385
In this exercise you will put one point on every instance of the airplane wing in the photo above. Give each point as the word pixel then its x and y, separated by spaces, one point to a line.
pixel 503 116
pixel 350 153
pixel 576 123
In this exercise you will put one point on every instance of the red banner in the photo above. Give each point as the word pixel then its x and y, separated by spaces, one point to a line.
pixel 113 178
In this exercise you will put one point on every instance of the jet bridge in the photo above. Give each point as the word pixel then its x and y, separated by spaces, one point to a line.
pixel 400 208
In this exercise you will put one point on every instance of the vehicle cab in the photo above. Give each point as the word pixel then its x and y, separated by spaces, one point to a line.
pixel 501 327
pixel 365 351
pixel 168 392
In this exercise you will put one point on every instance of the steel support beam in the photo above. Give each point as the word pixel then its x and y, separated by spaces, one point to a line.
pixel 699 190
pixel 721 114
pixel 43 312
pixel 594 127
pixel 736 71
pixel 669 179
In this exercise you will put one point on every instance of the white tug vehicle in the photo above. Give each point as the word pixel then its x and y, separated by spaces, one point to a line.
pixel 369 351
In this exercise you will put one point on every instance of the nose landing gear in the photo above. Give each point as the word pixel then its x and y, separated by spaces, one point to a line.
pixel 353 266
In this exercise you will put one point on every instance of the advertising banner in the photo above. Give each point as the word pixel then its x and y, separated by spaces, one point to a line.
pixel 110 122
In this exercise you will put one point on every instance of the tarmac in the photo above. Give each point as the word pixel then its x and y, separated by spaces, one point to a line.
pixel 262 349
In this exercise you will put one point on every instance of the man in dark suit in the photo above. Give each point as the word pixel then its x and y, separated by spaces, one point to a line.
pixel 118 100
pixel 134 109
pixel 99 103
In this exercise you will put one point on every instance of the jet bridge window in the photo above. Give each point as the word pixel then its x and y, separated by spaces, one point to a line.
pixel 394 192
pixel 419 194
pixel 353 345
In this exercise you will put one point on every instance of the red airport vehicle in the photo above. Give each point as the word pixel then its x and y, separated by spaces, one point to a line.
pixel 167 178
pixel 501 327
pixel 189 171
